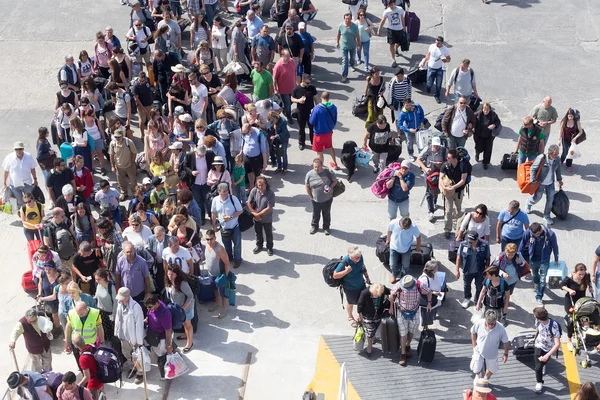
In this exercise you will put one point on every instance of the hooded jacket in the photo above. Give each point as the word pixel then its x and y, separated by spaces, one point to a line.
pixel 550 244
pixel 411 119
pixel 323 118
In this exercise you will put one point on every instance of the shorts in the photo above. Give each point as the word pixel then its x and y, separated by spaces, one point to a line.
pixel 406 326
pixel 124 122
pixel 322 142
pixel 98 144
pixel 253 164
pixel 299 69
pixel 144 114
pixel 352 296
pixel 394 37
pixel 477 361
pixel 189 313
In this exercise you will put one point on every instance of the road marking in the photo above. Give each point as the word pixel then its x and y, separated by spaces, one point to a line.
pixel 327 374
pixel 572 372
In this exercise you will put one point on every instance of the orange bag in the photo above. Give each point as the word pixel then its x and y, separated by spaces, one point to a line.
pixel 151 75
pixel 523 177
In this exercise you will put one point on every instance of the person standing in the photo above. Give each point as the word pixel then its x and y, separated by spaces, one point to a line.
pixel 436 59
pixel 378 135
pixel 399 186
pixel 309 52
pixel 431 160
pixel 86 320
pixel 486 336
pixel 19 173
pixel 226 209
pixel 37 342
pixel 284 78
pixel 260 203
pixel 59 177
pixel 570 132
pixel 262 82
pixel 452 182
pixel 458 123
pixel 550 166
pixel 263 48
pixel 319 183
pixel 544 115
pixel 575 285
pixel 473 257
pixel 160 330
pixel 531 141
pixel 217 264
pixel 401 233
pixel 487 122
pixel 305 96
pixel 142 95
pixel 512 224
pixel 88 366
pixel 122 153
pixel 348 41
pixel 129 327
pixel 395 28
pixel 195 174
pixel 353 273
pixel 132 272
pixel 463 79
pixel 400 90
pixel 324 118
pixel 60 237
pixel 539 243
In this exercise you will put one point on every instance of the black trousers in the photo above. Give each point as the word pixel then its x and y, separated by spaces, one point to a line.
pixel 484 145
pixel 302 122
pixel 539 365
pixel 321 208
pixel 268 228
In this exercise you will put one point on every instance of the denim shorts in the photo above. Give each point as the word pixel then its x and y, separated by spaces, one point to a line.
pixel 189 313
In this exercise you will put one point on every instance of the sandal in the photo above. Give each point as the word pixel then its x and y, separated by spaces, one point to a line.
pixel 222 315
pixel 353 322
pixel 213 308
pixel 187 349
pixel 181 337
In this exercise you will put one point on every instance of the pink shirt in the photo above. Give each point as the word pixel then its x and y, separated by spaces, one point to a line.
pixel 284 76
pixel 202 171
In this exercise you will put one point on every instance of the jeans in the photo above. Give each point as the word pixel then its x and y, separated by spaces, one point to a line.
pixel 347 56
pixel 32 234
pixel 46 174
pixel 268 228
pixel 199 193
pixel 457 95
pixel 233 244
pixel 364 49
pixel 321 208
pixel 597 285
pixel 438 76
pixel 468 282
pixel 211 11
pixel 393 208
pixel 506 241
pixel 454 142
pixel 17 193
pixel 398 271
pixel 230 161
pixel 286 99
pixel 539 270
pixel 449 214
pixel 176 8
pixel 539 365
pixel 410 142
pixel 282 161
pixel 302 123
pixel 566 144
pixel 240 193
pixel 525 157
pixel 537 196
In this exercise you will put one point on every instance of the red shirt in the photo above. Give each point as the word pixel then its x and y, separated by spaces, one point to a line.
pixel 285 76
pixel 87 361
pixel 469 395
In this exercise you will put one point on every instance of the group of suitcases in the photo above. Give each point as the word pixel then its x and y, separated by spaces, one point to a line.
pixel 390 339
pixel 382 251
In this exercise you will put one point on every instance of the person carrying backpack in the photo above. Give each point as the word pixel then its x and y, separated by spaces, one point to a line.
pixel 495 294
pixel 463 79
pixel 88 366
pixel 453 180
pixel 60 237
pixel 547 342
pixel 30 385
pixel 351 270
pixel 69 388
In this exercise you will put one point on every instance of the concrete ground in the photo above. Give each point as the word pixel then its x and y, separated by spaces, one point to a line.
pixel 266 348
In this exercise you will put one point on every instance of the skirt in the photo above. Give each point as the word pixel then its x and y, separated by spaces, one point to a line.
pixel 107 325
pixel 370 326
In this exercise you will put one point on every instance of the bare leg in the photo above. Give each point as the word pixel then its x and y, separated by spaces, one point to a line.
pixel 320 156
pixel 349 309
pixel 393 52
pixel 189 333
pixel 332 153
pixel 369 345
pixel 403 344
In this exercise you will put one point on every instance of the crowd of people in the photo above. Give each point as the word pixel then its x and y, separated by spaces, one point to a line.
pixel 112 263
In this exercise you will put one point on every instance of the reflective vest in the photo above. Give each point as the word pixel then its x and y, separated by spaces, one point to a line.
pixel 88 329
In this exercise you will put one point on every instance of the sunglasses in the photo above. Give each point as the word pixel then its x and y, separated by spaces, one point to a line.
pixel 479 213
pixel 462 102
pixel 135 224
pixel 210 238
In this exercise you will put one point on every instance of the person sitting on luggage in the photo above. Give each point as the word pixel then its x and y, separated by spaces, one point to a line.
pixel 495 294
pixel 575 286
pixel 429 279
pixel 547 342
pixel 405 298
pixel 473 257
pixel 477 221
pixel 69 389
pixel 411 120
pixel 511 264
pixel 512 224
pixel 486 336
pixel 481 391
pixel 351 271
pixel 370 307
pixel 400 235
pixel 30 385
pixel 431 160
pixel 88 366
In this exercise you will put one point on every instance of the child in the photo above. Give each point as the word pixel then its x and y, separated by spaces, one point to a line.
pixel 239 179
pixel 158 194
pixel 60 293
pixel 547 342
pixel 495 294
pixel 109 199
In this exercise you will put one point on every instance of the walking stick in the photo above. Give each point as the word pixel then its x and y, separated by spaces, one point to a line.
pixel 144 373
pixel 14 358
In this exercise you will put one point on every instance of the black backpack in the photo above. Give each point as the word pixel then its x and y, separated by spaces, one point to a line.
pixel 438 121
pixel 328 271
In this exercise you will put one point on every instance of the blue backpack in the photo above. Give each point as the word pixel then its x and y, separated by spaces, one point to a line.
pixel 177 315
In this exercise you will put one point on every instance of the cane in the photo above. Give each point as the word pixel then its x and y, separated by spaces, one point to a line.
pixel 144 373
pixel 14 358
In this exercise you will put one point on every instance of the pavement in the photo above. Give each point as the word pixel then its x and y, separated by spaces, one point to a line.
pixel 267 347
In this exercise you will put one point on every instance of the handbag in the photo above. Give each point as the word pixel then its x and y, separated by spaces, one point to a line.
pixel 46 164
pixel 153 338
pixel 423 299
pixel 581 138
pixel 196 251
pixel 350 2
pixel 339 187
pixel 214 192
pixel 245 219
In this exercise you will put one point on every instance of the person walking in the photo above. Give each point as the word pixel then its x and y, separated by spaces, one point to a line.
pixel 365 31
pixel 544 115
pixel 394 16
pixel 570 132
pixel 129 327
pixel 160 330
pixel 284 81
pixel 399 185
pixel 370 308
pixel 324 118
pixel 452 181
pixel 401 233
pixel 512 223
pixel 531 141
pixel 260 203
pixel 473 257
pixel 437 57
pixel 458 123
pixel 547 342
pixel 37 342
pixel 20 174
pixel 86 320
pixel 463 80
pixel 178 291
pixel 410 121
pixel 122 153
pixel 550 167
pixel 486 126
pixel 132 272
pixel 348 41
pixel 378 135
pixel 486 336
pixel 319 183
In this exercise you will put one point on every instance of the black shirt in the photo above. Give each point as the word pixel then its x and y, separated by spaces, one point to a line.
pixel 143 91
pixel 579 289
pixel 309 92
pixel 454 173
pixel 57 180
pixel 86 265
pixel 379 137
pixel 68 206
pixel 214 82
pixel 293 43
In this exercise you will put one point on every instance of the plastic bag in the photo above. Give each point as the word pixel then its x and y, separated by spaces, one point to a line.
pixel 359 338
pixel 560 205
pixel 573 152
pixel 422 138
pixel 362 158
pixel 477 315
pixel 137 359
pixel 175 366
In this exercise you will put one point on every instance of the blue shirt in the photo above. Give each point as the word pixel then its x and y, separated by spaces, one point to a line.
pixel 307 40
pixel 514 228
pixel 254 27
pixel 354 280
pixel 254 144
pixel 397 194
pixel 228 207
pixel 402 239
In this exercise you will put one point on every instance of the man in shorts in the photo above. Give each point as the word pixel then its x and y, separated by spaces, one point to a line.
pixel 486 335
pixel 323 119
pixel 395 17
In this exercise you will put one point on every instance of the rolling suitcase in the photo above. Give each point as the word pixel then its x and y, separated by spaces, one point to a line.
pixel 509 161
pixel 421 258
pixel 27 282
pixel 382 251
pixel 413 23
pixel 390 337
pixel 32 247
pixel 417 75
pixel 523 344
pixel 452 248
pixel 427 345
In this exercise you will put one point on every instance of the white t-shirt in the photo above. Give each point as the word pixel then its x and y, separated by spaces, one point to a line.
pixel 394 18
pixel 79 138
pixel 199 93
pixel 459 123
pixel 180 258
pixel 482 228
pixel 139 239
pixel 140 34
pixel 85 68
pixel 19 170
pixel 435 56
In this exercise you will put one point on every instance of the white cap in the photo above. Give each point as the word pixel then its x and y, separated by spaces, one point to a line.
pixel 186 118
pixel 147 181
pixel 302 25
pixel 436 141
pixel 406 164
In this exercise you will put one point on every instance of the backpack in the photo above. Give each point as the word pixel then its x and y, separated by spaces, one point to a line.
pixel 109 366
pixel 328 271
pixel 62 241
pixel 194 283
pixel 379 188
pixel 433 181
pixel 465 165
pixel 456 71
pixel 177 315
pixel 81 394
pixel 438 121
pixel 53 380
pixel 494 297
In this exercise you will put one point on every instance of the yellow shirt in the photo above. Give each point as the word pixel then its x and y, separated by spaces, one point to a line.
pixel 33 215
pixel 159 170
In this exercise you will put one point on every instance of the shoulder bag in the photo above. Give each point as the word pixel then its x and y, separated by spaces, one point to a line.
pixel 339 187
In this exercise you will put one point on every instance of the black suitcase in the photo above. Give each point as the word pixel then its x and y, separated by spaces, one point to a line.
pixel 390 337
pixel 421 258
pixel 509 161
pixel 523 344
pixel 427 345
pixel 452 248
pixel 417 75
pixel 382 251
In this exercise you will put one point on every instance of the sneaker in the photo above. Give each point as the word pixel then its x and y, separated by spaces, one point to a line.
pixel 528 210
pixel 358 62
pixel 138 379
pixel 257 249
pixel 269 252
pixel 301 146
pixel 313 230
pixel 549 220
pixel 344 79
pixel 538 387
pixel 402 361
pixel 465 303
pixel 326 231
pixel 540 302
pixel 236 264
pixel 367 69
pixel 437 100
pixel 394 64
pixel 504 321
pixel 431 217
pixel 376 170
pixel 334 166
pixel 570 346
pixel 447 235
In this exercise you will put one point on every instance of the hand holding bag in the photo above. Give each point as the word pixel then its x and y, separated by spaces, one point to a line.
pixel 175 366
pixel 359 338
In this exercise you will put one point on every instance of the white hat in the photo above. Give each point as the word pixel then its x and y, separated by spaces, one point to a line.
pixel 436 141
pixel 302 25
pixel 482 386
pixel 405 164
pixel 176 146
pixel 146 181
pixel 18 145
pixel 123 293
pixel 186 118
pixel 218 161
pixel 178 68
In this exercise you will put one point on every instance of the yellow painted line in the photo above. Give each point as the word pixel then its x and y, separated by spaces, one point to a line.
pixel 572 372
pixel 327 375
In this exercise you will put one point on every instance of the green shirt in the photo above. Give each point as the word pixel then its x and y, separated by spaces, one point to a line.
pixel 238 172
pixel 348 36
pixel 529 133
pixel 157 197
pixel 261 83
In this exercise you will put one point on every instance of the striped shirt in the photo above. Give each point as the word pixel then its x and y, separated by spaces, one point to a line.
pixel 400 91
pixel 408 299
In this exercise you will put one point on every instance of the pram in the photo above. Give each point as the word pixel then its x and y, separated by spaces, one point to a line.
pixel 586 325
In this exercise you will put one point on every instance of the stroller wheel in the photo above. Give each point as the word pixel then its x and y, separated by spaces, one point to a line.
pixel 584 364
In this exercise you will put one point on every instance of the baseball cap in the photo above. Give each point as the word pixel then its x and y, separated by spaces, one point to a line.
pixel 472 236
pixel 157 180
pixel 176 146
pixel 123 293
pixel 186 118
pixel 436 141
pixel 178 110
pixel 146 181
pixel 302 25
pixel 406 164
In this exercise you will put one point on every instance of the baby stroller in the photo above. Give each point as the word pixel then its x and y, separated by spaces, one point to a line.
pixel 586 324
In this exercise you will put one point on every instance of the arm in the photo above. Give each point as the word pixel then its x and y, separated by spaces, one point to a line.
pixel 309 192
pixel 474 340
pixel 85 378
pixel 191 266
pixel 117 282
pixel 480 298
pixel 458 264
pixel 342 273
pixel 381 26
pixel 499 231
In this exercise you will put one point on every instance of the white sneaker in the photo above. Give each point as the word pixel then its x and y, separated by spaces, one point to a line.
pixel 540 302
pixel 465 303
pixel 538 387
pixel 431 217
